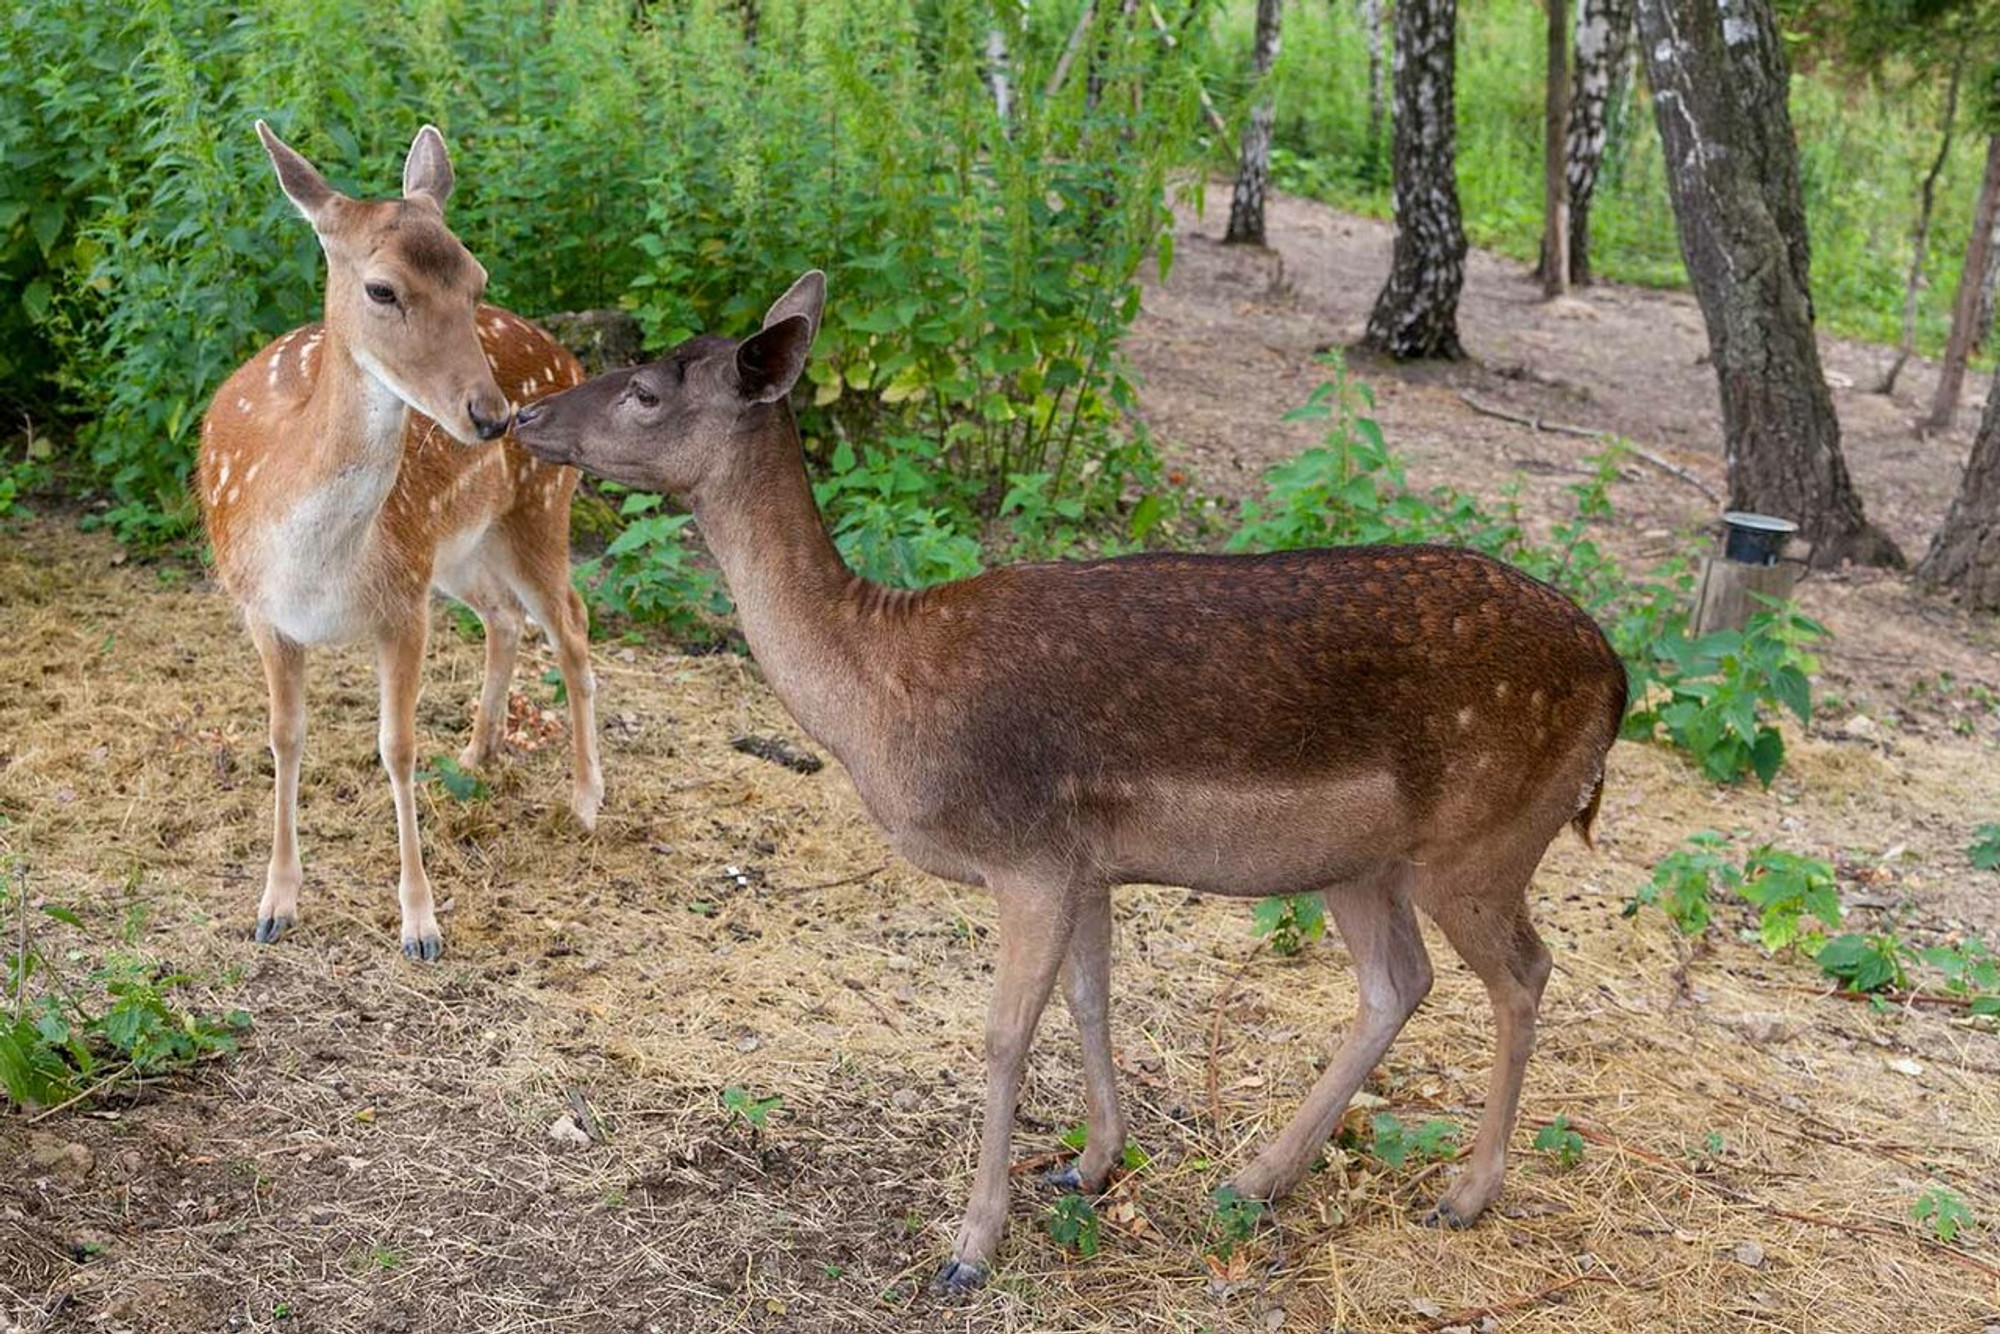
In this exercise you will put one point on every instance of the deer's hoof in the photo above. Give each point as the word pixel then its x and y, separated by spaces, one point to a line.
pixel 1445 1216
pixel 425 950
pixel 270 928
pixel 1063 1178
pixel 959 1277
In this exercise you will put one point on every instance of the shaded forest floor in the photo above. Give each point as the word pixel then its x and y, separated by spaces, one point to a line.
pixel 378 1158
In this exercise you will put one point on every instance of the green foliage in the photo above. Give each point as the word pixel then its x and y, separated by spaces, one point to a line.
pixel 1133 1158
pixel 1233 1220
pixel 1724 689
pixel 1970 970
pixel 1786 888
pixel 654 157
pixel 1393 1144
pixel 458 783
pixel 1561 1142
pixel 892 519
pixel 1867 963
pixel 1944 1212
pixel 1684 880
pixel 1290 921
pixel 1072 1224
pixel 648 574
pixel 1985 849
pixel 60 1041
pixel 753 1111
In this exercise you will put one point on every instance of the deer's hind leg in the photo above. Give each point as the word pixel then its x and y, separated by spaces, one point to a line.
pixel 540 579
pixel 1394 972
pixel 1483 911
pixel 500 614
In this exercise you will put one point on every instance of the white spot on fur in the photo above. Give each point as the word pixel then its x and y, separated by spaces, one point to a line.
pixel 222 479
pixel 243 405
pixel 234 491
pixel 1465 717
pixel 1500 691
pixel 251 475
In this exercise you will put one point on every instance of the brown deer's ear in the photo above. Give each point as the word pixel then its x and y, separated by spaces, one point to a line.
pixel 427 170
pixel 805 297
pixel 300 179
pixel 768 362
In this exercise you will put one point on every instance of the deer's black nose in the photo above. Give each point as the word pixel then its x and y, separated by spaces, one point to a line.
pixel 526 415
pixel 489 428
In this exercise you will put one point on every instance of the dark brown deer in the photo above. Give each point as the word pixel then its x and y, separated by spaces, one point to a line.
pixel 1389 726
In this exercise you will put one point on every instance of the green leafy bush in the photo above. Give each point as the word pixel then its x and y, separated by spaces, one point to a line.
pixel 1560 1141
pixel 1985 849
pixel 1943 1211
pixel 1072 1225
pixel 1724 689
pixel 659 158
pixel 61 1040
pixel 648 573
pixel 1393 1143
pixel 1865 964
pixel 1685 879
pixel 1786 888
pixel 1290 921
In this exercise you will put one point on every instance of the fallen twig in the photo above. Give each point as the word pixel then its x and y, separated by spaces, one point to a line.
pixel 1587 433
pixel 1893 997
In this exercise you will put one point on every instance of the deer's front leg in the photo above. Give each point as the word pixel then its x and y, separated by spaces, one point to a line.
pixel 399 655
pixel 285 676
pixel 1035 924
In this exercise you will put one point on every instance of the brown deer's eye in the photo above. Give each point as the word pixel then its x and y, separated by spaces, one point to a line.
pixel 380 293
pixel 643 396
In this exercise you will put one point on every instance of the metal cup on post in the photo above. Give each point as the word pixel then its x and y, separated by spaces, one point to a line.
pixel 1752 566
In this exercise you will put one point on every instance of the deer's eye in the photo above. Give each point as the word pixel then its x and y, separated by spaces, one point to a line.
pixel 643 396
pixel 380 293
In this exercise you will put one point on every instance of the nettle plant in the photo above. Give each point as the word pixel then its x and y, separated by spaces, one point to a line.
pixel 1718 696
pixel 1785 888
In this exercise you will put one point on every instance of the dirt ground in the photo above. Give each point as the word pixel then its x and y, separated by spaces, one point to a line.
pixel 379 1155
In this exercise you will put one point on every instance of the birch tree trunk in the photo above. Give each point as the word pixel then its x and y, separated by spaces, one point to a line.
pixel 1416 314
pixel 1253 174
pixel 999 79
pixel 1719 90
pixel 1965 554
pixel 1555 172
pixel 1965 310
pixel 1920 243
pixel 1603 45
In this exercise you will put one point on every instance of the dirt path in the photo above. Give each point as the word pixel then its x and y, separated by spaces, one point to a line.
pixel 378 1157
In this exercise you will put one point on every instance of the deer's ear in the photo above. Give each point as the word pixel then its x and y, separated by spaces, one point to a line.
pixel 427 170
pixel 769 361
pixel 805 297
pixel 299 179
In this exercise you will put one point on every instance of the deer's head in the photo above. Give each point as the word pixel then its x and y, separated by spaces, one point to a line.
pixel 676 423
pixel 401 291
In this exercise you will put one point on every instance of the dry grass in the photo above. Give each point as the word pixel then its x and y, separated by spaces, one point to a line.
pixel 377 1159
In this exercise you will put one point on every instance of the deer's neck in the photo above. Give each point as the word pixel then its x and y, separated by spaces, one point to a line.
pixel 802 611
pixel 357 451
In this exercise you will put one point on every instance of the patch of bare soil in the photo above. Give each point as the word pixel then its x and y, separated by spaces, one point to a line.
pixel 380 1155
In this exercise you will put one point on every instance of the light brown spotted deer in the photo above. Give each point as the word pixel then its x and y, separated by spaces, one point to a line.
pixel 357 463
pixel 1394 727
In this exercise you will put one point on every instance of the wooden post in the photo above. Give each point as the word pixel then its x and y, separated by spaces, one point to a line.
pixel 1723 600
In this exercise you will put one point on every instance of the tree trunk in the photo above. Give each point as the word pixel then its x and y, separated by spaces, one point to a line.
pixel 1965 554
pixel 1965 310
pixel 1719 86
pixel 1982 323
pixel 1416 314
pixel 1603 45
pixel 998 78
pixel 1555 175
pixel 1921 241
pixel 1371 27
pixel 1253 175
